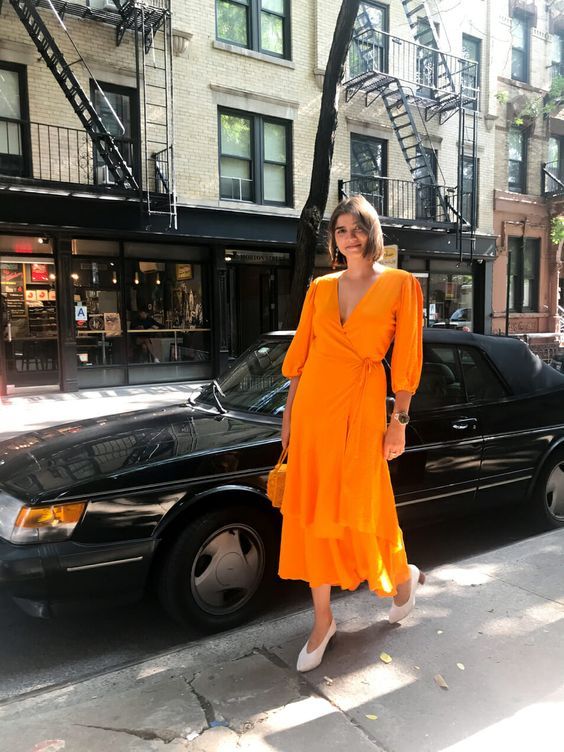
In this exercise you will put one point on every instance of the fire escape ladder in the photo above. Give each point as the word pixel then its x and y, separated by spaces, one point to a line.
pixel 403 124
pixel 466 208
pixel 103 141
pixel 433 63
pixel 157 107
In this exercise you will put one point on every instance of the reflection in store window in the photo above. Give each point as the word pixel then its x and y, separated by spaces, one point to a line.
pixel 99 333
pixel 165 310
pixel 450 301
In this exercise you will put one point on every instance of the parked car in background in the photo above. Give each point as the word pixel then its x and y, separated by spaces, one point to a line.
pixel 462 317
pixel 174 497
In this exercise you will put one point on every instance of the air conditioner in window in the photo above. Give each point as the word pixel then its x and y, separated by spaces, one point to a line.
pixel 104 176
pixel 101 5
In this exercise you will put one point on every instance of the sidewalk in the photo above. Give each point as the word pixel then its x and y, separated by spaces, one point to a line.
pixel 40 408
pixel 491 626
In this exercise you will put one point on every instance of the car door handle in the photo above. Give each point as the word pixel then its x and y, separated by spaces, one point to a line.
pixel 464 423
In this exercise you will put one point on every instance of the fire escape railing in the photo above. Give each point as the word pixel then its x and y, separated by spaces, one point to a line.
pixel 552 178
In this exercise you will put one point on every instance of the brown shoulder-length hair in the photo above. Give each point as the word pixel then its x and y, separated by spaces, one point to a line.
pixel 367 217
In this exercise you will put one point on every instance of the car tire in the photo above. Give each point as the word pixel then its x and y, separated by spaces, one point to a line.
pixel 220 568
pixel 547 507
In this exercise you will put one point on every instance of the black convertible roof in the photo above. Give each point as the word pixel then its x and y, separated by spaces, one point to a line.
pixel 523 371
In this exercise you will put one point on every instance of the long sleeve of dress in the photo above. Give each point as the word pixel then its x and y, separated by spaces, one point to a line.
pixel 299 348
pixel 407 356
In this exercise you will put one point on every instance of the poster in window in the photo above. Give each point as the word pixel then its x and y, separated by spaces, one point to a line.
pixel 31 296
pixel 39 273
pixel 43 294
pixel 184 271
pixel 96 322
pixel 112 324
pixel 11 274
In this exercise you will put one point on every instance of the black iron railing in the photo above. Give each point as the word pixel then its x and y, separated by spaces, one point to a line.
pixel 405 200
pixel 39 152
pixel 429 71
pixel 552 178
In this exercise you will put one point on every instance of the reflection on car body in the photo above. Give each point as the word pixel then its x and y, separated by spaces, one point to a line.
pixel 176 497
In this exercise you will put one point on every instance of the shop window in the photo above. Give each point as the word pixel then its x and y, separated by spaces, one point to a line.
pixel 167 321
pixel 255 158
pixel 516 160
pixel 262 25
pixel 524 255
pixel 14 128
pixel 97 306
pixel 369 47
pixel 450 299
pixel 368 164
pixel 29 320
pixel 520 34
pixel 471 50
pixel 118 108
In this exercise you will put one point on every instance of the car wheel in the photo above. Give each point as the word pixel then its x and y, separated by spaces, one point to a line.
pixel 548 500
pixel 219 569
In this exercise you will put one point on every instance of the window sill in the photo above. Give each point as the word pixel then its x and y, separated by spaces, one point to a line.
pixel 226 47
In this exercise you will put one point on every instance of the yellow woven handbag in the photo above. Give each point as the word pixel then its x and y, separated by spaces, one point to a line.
pixel 276 480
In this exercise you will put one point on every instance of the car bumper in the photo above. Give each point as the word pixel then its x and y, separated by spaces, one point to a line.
pixel 45 578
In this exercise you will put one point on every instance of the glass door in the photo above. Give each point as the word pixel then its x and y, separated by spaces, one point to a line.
pixel 29 322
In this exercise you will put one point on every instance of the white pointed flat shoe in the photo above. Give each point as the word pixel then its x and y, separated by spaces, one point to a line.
pixel 309 661
pixel 397 613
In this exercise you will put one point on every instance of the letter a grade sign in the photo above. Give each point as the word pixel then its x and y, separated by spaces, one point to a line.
pixel 80 315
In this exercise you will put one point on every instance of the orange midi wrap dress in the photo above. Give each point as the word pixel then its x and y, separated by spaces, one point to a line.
pixel 340 525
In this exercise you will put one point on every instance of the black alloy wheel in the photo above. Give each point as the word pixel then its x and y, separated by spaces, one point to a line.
pixel 219 569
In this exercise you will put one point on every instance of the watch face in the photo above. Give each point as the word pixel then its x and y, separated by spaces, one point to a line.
pixel 402 418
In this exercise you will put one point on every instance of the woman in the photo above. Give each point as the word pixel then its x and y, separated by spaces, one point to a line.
pixel 340 524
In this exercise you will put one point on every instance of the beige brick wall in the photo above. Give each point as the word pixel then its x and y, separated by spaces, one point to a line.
pixel 212 74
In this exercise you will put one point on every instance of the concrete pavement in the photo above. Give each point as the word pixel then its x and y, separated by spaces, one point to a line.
pixel 491 626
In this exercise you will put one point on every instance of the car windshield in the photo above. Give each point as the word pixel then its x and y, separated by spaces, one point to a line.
pixel 254 382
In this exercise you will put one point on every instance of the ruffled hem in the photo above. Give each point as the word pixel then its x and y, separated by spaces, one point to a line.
pixel 344 562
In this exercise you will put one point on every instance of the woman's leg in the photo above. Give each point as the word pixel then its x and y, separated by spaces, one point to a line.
pixel 323 615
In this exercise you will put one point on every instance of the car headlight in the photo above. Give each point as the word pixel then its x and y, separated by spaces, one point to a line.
pixel 22 524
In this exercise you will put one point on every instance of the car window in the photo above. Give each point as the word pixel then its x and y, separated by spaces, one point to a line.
pixel 441 379
pixel 255 381
pixel 482 383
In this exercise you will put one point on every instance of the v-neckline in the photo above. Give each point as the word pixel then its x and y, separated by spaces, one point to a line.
pixel 361 299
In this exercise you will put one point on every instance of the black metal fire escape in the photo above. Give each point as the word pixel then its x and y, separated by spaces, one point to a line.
pixel 55 60
pixel 150 22
pixel 438 92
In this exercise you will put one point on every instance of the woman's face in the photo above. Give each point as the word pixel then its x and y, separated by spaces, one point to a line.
pixel 350 237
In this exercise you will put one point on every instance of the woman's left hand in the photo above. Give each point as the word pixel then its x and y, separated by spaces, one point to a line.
pixel 394 440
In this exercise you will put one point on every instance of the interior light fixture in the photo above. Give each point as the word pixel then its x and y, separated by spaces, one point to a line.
pixel 52 277
pixel 136 278
pixel 158 279
pixel 74 276
pixel 43 241
pixel 114 279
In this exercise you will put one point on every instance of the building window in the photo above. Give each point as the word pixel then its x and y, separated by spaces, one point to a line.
pixel 255 158
pixel 520 48
pixel 471 50
pixel 14 128
pixel 368 165
pixel 118 108
pixel 262 25
pixel 557 67
pixel 369 47
pixel 517 160
pixel 524 256
pixel 470 190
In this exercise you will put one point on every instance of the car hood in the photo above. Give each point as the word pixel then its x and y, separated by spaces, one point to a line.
pixel 133 450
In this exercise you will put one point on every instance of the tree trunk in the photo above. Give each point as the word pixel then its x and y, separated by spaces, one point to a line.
pixel 314 208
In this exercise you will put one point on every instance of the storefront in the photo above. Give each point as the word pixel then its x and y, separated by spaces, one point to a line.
pixel 140 312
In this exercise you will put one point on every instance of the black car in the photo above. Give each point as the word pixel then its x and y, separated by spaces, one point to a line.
pixel 175 497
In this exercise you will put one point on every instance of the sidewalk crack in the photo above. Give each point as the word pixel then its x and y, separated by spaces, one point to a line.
pixel 164 735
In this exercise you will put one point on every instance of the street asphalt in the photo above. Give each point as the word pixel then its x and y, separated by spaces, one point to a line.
pixel 478 666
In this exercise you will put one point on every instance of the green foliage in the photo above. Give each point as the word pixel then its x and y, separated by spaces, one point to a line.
pixel 557 229
pixel 502 97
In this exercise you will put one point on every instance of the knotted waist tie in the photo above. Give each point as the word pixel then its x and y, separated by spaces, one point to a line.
pixel 359 411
